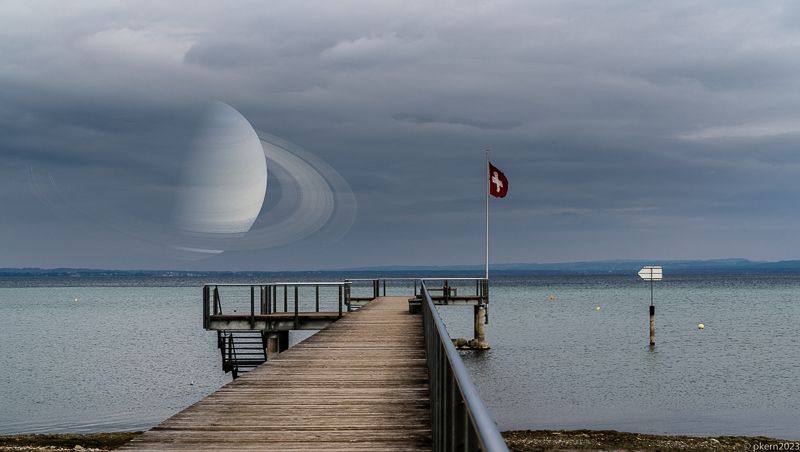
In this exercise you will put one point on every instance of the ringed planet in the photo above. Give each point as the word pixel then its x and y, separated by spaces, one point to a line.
pixel 222 196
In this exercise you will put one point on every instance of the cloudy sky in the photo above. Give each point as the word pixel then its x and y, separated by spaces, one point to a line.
pixel 627 129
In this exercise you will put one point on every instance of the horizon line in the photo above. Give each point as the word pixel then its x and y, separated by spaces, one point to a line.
pixel 406 267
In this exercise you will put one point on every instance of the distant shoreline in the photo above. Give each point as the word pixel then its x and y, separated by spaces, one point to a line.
pixel 735 266
pixel 517 440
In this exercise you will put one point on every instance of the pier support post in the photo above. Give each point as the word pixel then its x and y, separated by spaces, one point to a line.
pixel 479 339
pixel 276 343
pixel 652 325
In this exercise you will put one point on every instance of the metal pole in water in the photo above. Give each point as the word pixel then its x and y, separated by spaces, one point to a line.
pixel 652 325
pixel 652 317
pixel 652 273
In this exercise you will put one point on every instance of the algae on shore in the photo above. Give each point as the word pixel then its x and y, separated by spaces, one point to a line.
pixel 65 441
pixel 518 440
pixel 563 440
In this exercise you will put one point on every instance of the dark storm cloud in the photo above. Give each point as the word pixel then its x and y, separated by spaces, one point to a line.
pixel 627 129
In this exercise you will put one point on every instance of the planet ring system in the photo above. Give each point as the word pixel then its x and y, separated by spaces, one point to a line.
pixel 314 198
pixel 305 197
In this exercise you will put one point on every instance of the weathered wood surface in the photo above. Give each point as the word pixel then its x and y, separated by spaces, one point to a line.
pixel 360 384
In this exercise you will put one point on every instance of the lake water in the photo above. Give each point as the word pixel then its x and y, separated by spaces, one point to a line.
pixel 130 353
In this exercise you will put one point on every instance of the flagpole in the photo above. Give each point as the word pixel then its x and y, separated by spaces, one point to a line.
pixel 486 191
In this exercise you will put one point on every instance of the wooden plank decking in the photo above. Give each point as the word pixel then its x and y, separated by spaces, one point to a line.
pixel 360 384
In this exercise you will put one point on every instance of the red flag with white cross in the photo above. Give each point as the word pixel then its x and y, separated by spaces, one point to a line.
pixel 498 183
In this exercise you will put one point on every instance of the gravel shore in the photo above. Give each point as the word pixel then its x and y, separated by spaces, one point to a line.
pixel 65 442
pixel 519 440
pixel 572 440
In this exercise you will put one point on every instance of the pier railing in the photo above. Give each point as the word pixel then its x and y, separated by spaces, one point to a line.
pixel 460 418
pixel 443 290
pixel 253 301
pixel 368 289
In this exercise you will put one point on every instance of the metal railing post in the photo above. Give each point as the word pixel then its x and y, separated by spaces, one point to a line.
pixel 296 310
pixel 262 299
pixel 252 307
pixel 340 302
pixel 485 299
pixel 206 308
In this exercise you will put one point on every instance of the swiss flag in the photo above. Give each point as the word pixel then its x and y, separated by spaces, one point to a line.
pixel 498 183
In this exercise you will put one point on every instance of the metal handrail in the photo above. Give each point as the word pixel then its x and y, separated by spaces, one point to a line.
pixel 459 417
pixel 233 360
pixel 447 291
pixel 268 299
pixel 281 283
pixel 418 278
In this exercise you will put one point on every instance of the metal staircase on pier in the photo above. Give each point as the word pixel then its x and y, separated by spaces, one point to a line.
pixel 241 350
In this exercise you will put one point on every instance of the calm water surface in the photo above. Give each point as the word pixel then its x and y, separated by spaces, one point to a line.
pixel 127 357
pixel 564 364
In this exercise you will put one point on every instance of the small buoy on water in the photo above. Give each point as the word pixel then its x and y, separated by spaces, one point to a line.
pixel 191 383
pixel 597 308
pixel 701 326
pixel 76 299
pixel 551 297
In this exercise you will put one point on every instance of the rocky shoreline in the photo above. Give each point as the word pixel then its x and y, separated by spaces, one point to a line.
pixel 519 440
pixel 65 442
pixel 612 440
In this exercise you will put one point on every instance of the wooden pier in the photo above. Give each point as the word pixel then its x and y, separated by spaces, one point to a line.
pixel 382 374
pixel 359 384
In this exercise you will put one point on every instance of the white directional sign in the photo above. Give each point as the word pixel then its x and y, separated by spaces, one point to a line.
pixel 651 273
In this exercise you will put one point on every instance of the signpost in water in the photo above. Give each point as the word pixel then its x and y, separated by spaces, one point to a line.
pixel 652 273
